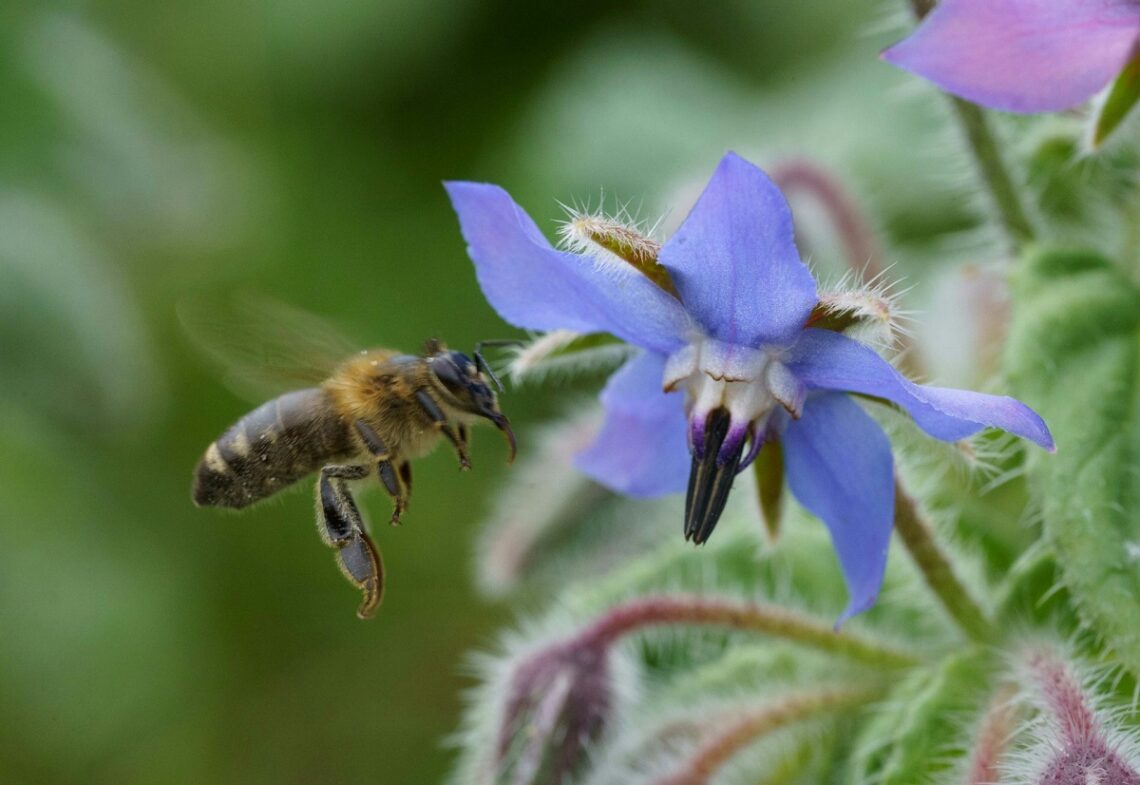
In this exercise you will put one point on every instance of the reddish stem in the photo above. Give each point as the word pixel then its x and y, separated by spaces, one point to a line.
pixel 738 732
pixel 993 737
pixel 658 610
pixel 854 230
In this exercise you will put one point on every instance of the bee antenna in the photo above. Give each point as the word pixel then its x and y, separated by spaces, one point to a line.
pixel 483 367
pixel 481 363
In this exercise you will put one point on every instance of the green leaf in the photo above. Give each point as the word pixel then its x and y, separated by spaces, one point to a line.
pixel 1123 95
pixel 918 731
pixel 1074 351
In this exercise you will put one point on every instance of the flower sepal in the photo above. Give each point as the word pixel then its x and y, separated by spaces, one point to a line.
pixel 1117 104
pixel 616 238
pixel 567 352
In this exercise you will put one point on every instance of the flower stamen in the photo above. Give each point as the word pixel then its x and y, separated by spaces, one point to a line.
pixel 717 449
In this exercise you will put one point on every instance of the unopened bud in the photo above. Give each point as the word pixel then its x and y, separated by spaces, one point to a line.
pixel 1080 751
pixel 559 701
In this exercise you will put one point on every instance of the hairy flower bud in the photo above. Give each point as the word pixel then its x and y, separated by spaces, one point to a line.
pixel 1079 750
pixel 559 700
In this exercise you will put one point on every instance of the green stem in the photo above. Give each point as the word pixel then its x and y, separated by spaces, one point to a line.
pixel 987 157
pixel 918 537
pixel 992 168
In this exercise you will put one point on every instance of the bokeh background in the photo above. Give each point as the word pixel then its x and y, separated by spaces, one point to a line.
pixel 154 153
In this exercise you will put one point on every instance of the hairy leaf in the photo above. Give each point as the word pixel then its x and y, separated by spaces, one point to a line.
pixel 918 731
pixel 1074 351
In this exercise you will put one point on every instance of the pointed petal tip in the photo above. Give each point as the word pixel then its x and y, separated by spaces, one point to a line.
pixel 455 185
pixel 840 467
pixel 854 608
pixel 535 286
pixel 826 360
pixel 734 160
pixel 734 260
pixel 1035 430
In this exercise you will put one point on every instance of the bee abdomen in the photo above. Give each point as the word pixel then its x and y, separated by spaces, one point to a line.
pixel 269 449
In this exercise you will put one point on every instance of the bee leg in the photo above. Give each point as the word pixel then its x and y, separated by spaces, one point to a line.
pixel 336 510
pixel 431 408
pixel 389 478
pixel 406 478
pixel 359 561
pixel 342 527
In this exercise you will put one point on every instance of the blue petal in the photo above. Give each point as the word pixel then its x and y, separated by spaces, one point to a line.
pixel 536 287
pixel 839 466
pixel 642 448
pixel 829 361
pixel 734 260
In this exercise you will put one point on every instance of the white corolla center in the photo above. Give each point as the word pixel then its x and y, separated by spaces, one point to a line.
pixel 748 382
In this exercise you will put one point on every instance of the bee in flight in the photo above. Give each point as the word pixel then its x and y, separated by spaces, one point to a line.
pixel 374 413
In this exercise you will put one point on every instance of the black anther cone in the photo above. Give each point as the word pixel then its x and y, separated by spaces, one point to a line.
pixel 710 479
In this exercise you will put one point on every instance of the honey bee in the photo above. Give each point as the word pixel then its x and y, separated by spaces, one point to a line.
pixel 374 413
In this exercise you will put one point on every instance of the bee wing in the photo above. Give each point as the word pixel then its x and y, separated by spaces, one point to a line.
pixel 265 347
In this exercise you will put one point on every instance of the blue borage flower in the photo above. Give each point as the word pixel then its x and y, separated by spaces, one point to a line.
pixel 729 363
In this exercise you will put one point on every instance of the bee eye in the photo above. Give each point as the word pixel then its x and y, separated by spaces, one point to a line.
pixel 447 372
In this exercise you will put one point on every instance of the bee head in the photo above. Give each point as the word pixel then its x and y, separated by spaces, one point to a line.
pixel 467 382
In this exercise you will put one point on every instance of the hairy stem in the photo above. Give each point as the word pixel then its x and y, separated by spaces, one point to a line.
pixel 992 168
pixel 987 157
pixel 993 737
pixel 736 733
pixel 918 537
pixel 657 610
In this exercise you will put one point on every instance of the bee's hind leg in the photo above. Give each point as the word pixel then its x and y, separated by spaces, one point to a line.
pixel 406 478
pixel 338 513
pixel 342 527
pixel 360 562
pixel 431 408
pixel 395 483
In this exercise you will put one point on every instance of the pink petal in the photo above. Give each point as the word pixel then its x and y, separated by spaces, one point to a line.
pixel 1022 55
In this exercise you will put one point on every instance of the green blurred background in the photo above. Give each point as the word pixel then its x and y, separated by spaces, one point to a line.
pixel 156 152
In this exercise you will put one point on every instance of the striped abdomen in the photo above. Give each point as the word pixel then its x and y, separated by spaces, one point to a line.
pixel 270 448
